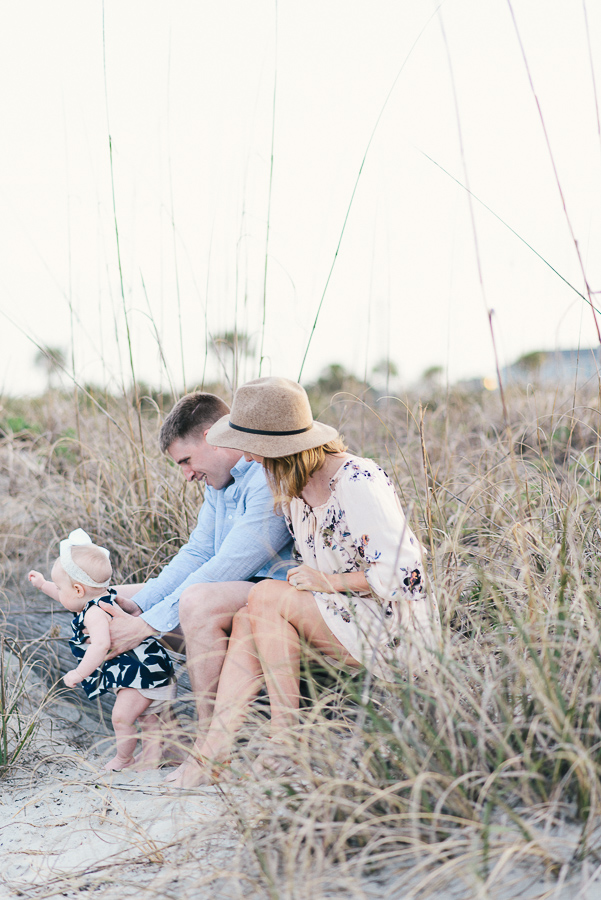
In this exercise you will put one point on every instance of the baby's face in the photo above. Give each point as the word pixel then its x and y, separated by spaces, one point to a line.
pixel 69 594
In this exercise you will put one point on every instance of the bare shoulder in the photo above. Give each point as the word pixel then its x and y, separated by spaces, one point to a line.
pixel 95 615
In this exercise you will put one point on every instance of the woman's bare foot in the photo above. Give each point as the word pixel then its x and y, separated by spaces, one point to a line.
pixel 275 760
pixel 118 762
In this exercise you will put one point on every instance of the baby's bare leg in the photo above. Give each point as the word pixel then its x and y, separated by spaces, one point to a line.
pixel 128 706
pixel 152 742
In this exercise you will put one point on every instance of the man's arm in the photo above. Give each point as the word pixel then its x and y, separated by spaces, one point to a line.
pixel 254 539
pixel 193 555
pixel 126 631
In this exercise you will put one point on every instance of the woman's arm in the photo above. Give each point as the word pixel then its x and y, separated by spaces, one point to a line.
pixel 381 537
pixel 304 578
pixel 97 623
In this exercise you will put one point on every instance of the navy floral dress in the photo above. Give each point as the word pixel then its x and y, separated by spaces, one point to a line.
pixel 362 528
pixel 146 666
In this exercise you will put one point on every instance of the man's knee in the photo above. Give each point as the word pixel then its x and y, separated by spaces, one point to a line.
pixel 194 602
pixel 210 606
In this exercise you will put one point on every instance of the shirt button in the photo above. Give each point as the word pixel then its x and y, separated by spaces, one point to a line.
pixel 229 517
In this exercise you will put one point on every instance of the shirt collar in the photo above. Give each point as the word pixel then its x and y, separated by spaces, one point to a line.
pixel 239 473
pixel 241 468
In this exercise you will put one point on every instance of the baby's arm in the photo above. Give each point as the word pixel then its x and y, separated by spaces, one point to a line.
pixel 48 587
pixel 97 624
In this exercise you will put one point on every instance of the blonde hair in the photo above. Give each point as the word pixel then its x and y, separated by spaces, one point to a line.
pixel 288 475
pixel 92 561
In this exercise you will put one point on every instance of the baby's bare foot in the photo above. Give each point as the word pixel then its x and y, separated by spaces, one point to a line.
pixel 148 758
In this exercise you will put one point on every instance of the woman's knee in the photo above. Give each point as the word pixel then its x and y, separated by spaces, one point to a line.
pixel 241 622
pixel 269 599
pixel 261 595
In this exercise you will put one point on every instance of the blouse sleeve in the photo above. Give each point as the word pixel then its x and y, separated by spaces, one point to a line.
pixel 379 532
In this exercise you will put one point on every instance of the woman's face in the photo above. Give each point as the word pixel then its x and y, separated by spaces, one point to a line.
pixel 253 457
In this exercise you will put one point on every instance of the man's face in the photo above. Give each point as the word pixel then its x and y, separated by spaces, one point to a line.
pixel 200 461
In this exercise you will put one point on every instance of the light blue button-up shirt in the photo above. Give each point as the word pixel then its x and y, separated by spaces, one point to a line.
pixel 238 536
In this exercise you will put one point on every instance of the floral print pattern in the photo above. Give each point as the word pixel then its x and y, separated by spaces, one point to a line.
pixel 362 528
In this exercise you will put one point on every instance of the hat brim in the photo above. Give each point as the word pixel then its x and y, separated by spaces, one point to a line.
pixel 221 434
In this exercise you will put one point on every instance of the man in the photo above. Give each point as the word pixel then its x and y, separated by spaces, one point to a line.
pixel 237 541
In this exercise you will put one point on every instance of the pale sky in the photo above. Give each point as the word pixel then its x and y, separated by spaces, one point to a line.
pixel 188 102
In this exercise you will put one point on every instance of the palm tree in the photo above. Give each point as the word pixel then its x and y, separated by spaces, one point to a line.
pixel 230 348
pixel 52 360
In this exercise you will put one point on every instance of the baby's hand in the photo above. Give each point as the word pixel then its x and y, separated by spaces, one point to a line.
pixel 36 578
pixel 72 677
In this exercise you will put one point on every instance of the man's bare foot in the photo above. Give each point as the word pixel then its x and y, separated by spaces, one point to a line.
pixel 275 760
pixel 168 756
pixel 117 763
pixel 175 755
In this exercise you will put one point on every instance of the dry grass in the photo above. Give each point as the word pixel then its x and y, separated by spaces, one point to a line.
pixel 489 763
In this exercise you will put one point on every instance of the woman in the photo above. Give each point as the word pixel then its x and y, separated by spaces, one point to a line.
pixel 358 594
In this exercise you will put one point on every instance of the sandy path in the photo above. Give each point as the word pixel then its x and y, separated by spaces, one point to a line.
pixel 65 827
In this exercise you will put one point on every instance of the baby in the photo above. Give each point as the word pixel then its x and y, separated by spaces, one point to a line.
pixel 142 678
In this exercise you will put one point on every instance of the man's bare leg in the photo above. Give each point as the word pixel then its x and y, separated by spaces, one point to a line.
pixel 206 612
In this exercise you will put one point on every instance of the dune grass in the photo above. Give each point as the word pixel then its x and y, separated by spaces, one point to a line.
pixel 457 774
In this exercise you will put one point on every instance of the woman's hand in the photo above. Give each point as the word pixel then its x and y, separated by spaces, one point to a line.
pixel 304 578
pixel 36 578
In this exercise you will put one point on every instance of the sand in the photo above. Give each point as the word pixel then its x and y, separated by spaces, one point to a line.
pixel 66 826
pixel 67 829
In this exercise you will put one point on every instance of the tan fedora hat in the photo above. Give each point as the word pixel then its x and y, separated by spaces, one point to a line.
pixel 270 417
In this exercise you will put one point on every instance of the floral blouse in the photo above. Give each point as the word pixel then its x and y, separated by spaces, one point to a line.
pixel 362 528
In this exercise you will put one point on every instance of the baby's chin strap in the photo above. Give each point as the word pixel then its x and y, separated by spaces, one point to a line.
pixel 79 538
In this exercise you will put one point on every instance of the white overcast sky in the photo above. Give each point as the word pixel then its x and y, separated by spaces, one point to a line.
pixel 188 103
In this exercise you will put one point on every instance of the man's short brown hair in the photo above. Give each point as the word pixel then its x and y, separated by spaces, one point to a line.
pixel 191 415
